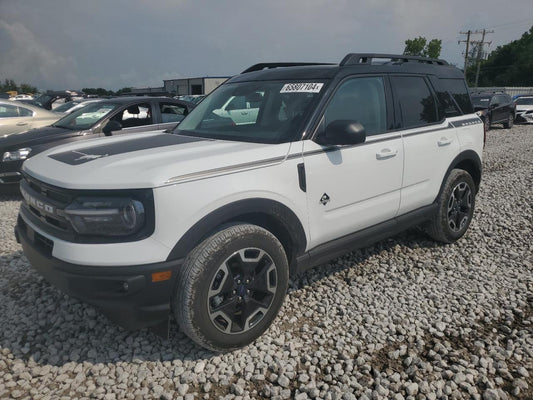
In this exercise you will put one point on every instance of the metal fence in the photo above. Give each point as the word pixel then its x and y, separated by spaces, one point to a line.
pixel 511 91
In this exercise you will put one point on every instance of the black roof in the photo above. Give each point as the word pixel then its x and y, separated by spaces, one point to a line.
pixel 353 63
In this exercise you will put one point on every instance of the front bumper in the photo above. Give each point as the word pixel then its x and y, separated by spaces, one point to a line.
pixel 125 294
pixel 524 117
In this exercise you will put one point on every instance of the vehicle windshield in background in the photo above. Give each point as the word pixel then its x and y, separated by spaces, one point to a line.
pixel 85 117
pixel 481 101
pixel 66 106
pixel 262 112
pixel 524 101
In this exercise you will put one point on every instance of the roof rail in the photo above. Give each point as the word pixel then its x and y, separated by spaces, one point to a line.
pixel 261 66
pixel 366 58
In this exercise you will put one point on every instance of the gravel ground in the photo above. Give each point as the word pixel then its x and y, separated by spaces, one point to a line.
pixel 404 319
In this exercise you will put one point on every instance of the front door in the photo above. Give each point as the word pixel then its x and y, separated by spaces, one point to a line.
pixel 350 188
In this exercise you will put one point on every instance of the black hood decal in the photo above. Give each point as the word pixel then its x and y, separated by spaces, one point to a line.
pixel 86 154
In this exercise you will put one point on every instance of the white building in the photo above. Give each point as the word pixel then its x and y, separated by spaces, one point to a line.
pixel 205 85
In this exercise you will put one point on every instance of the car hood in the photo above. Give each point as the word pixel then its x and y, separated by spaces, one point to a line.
pixel 34 137
pixel 148 160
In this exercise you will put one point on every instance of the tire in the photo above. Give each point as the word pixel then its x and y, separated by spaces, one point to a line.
pixel 455 210
pixel 509 123
pixel 231 287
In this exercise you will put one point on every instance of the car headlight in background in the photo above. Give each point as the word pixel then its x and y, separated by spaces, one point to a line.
pixel 16 155
pixel 107 216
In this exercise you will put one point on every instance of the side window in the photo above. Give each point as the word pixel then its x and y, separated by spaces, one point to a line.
pixel 24 112
pixel 171 112
pixel 7 110
pixel 417 104
pixel 362 100
pixel 459 91
pixel 237 103
pixel 135 115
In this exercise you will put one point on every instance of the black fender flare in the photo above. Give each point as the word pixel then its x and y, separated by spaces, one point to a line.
pixel 468 156
pixel 269 214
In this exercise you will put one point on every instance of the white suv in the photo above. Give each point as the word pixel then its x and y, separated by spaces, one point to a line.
pixel 208 221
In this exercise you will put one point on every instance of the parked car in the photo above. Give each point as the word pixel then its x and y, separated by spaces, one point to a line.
pixel 114 116
pixel 17 117
pixel 494 108
pixel 209 221
pixel 193 98
pixel 22 97
pixel 524 109
pixel 73 105
pixel 52 99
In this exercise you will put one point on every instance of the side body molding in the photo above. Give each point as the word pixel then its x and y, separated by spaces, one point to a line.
pixel 269 214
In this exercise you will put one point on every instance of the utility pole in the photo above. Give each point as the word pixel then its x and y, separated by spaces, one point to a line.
pixel 467 46
pixel 480 52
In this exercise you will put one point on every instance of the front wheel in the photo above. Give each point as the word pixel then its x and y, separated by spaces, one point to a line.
pixel 455 208
pixel 231 287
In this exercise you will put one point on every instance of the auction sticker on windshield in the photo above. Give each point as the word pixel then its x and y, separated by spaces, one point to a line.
pixel 301 88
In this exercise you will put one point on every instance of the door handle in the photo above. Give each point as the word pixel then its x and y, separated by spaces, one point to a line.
pixel 386 153
pixel 22 123
pixel 444 141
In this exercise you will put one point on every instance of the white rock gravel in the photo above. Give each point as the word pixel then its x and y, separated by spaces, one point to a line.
pixel 404 319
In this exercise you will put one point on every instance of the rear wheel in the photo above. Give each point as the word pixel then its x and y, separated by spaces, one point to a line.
pixel 509 123
pixel 455 208
pixel 231 287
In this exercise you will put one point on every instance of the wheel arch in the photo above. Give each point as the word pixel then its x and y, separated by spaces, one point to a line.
pixel 269 214
pixel 468 161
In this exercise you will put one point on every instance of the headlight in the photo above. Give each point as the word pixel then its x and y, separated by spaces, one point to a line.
pixel 107 216
pixel 16 155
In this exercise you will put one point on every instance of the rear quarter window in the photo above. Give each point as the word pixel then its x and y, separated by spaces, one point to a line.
pixel 457 89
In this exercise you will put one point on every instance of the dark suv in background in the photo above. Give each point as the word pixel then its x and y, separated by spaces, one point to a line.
pixel 494 108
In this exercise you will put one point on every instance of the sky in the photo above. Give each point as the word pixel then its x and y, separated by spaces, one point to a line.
pixel 72 44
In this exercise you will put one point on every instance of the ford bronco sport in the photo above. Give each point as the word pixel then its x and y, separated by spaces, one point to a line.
pixel 209 220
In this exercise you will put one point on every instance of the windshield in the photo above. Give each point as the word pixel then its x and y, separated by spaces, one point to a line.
pixel 481 101
pixel 66 106
pixel 259 111
pixel 524 101
pixel 86 117
pixel 42 99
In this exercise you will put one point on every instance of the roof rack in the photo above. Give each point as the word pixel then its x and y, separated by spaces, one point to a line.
pixel 261 66
pixel 366 58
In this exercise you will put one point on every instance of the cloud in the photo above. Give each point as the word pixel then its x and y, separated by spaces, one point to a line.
pixel 25 59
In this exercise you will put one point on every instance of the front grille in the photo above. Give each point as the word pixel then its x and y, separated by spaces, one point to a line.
pixel 47 204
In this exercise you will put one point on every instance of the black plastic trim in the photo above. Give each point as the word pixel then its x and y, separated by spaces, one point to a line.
pixel 301 177
pixel 239 211
pixel 365 237
pixel 125 294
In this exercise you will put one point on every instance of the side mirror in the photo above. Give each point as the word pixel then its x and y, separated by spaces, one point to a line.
pixel 342 132
pixel 111 126
pixel 494 105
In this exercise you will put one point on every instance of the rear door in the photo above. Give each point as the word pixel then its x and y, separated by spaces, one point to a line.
pixel 430 142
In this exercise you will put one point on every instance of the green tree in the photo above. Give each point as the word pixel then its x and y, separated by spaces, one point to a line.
pixel 508 65
pixel 421 47
pixel 26 88
pixel 9 84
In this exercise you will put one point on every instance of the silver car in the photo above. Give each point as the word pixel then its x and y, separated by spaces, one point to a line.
pixel 18 117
